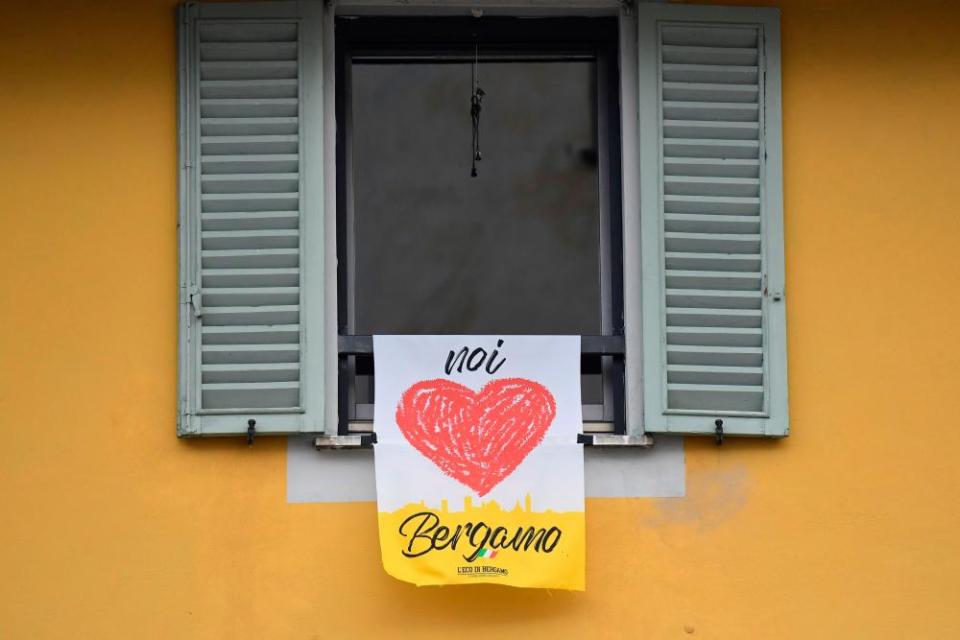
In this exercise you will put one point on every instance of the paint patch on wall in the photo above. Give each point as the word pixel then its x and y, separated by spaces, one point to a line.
pixel 714 496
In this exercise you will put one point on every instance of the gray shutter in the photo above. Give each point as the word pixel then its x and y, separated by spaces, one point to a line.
pixel 711 218
pixel 247 74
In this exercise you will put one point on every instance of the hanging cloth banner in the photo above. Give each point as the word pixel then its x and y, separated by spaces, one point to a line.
pixel 479 474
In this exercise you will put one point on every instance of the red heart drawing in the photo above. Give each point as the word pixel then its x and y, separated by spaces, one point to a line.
pixel 476 438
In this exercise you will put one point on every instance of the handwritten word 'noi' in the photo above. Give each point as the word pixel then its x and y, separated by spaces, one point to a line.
pixel 429 535
pixel 473 359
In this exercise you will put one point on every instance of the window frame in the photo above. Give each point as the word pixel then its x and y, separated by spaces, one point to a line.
pixel 319 189
pixel 380 36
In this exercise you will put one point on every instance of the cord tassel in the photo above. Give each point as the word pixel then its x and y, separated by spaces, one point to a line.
pixel 476 100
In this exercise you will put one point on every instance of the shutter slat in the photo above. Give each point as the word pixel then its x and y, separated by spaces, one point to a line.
pixel 715 387
pixel 704 298
pixel 248 201
pixel 703 148
pixel 711 204
pixel 250 373
pixel 711 261
pixel 716 398
pixel 251 239
pixel 250 296
pixel 725 36
pixel 715 336
pixel 250 69
pixel 237 186
pixel 720 111
pixel 248 51
pixel 712 242
pixel 711 223
pixel 248 107
pixel 700 374
pixel 705 316
pixel 251 163
pixel 710 73
pixel 247 89
pixel 250 220
pixel 711 186
pixel 250 353
pixel 723 280
pixel 710 92
pixel 233 386
pixel 249 258
pixel 251 396
pixel 247 32
pixel 251 334
pixel 715 129
pixel 249 145
pixel 250 277
pixel 243 316
pixel 714 355
pixel 673 53
pixel 248 126
pixel 711 167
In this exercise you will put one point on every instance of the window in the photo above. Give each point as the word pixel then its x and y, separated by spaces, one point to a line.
pixel 531 244
pixel 325 195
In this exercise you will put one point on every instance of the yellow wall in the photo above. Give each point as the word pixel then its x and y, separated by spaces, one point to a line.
pixel 110 527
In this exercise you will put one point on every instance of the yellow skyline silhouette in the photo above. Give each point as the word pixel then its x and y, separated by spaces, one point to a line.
pixel 488 506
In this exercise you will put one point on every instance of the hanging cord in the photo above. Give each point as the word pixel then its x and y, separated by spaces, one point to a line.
pixel 476 98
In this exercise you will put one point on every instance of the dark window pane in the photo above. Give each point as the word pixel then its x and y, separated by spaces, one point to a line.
pixel 515 250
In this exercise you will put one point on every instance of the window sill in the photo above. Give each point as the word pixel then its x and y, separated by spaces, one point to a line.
pixel 604 440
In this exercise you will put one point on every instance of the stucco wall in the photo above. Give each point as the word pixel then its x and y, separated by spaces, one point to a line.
pixel 110 527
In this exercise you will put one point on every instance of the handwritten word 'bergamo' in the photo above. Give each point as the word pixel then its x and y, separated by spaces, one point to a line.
pixel 430 535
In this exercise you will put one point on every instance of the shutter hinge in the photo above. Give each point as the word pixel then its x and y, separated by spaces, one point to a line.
pixel 776 296
pixel 718 432
pixel 195 302
pixel 251 430
pixel 189 11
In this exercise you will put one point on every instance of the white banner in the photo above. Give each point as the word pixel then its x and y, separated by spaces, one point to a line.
pixel 479 474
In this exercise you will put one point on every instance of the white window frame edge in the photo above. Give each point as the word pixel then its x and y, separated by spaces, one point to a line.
pixel 314 320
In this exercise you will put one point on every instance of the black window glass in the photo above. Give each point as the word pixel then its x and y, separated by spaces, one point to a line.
pixel 515 249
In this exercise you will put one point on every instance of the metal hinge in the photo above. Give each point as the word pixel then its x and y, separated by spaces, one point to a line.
pixel 776 296
pixel 189 11
pixel 194 294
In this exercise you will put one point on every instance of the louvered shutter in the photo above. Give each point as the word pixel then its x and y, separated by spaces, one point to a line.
pixel 711 219
pixel 251 219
